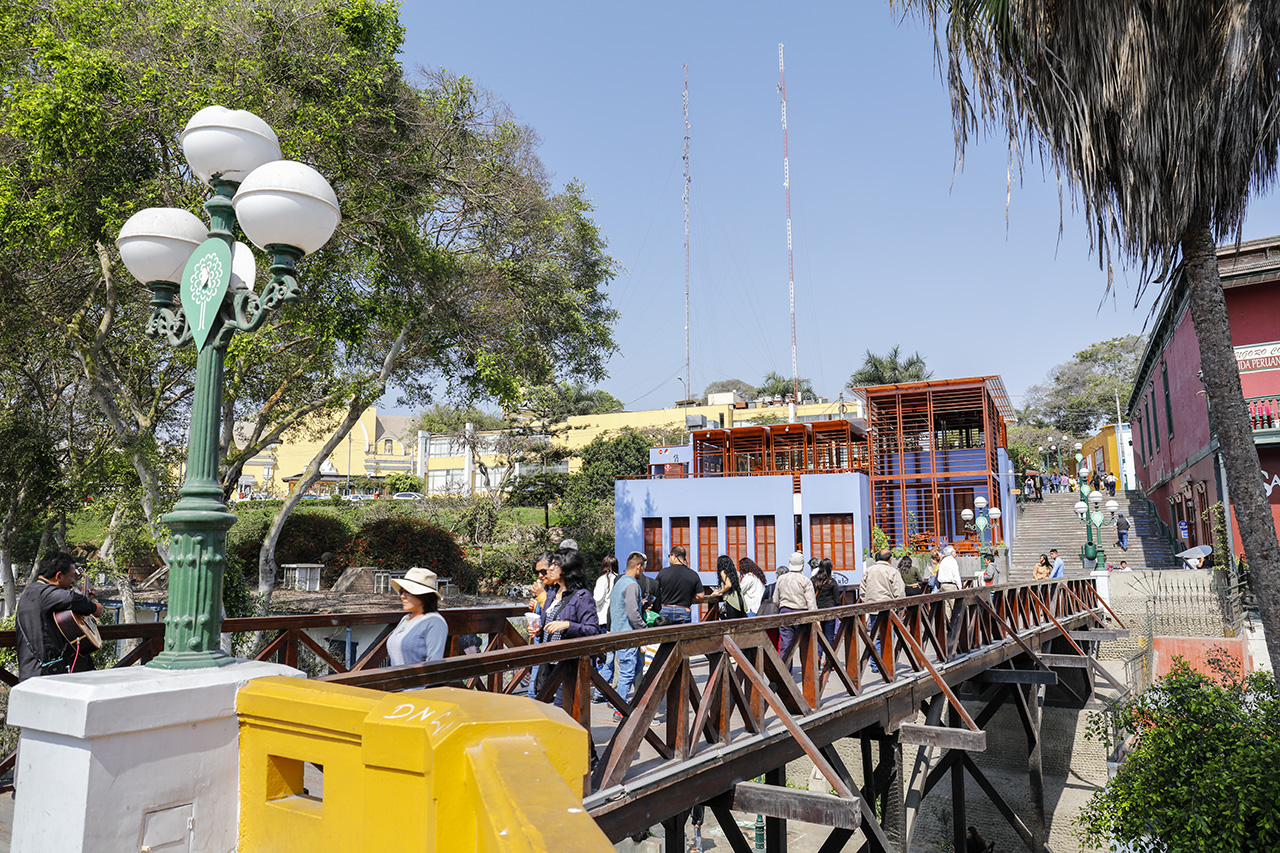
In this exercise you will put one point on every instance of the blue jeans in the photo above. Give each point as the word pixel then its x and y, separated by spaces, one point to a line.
pixel 628 667
pixel 1124 540
pixel 676 615
pixel 606 669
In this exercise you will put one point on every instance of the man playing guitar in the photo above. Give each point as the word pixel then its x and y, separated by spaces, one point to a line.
pixel 43 649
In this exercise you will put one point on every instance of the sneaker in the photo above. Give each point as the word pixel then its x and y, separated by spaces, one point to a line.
pixel 597 697
pixel 617 715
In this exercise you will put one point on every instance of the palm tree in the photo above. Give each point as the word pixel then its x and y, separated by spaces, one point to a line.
pixel 775 384
pixel 1162 117
pixel 889 369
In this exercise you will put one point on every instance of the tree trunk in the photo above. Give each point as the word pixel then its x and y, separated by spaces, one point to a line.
pixel 1231 416
pixel 6 574
pixel 46 537
pixel 362 397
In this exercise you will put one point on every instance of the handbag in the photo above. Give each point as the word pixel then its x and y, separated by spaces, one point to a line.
pixel 767 608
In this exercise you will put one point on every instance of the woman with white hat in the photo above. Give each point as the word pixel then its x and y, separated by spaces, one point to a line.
pixel 422 632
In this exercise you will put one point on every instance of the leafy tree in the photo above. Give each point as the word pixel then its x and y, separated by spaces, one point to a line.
pixel 603 461
pixel 889 369
pixel 28 477
pixel 1203 771
pixel 454 259
pixel 452 420
pixel 1084 393
pixel 1161 118
pixel 748 392
pixel 402 482
pixel 775 384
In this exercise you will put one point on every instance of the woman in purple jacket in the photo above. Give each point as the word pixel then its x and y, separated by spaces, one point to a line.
pixel 570 609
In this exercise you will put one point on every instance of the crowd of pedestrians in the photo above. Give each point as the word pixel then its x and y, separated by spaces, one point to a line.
pixel 633 596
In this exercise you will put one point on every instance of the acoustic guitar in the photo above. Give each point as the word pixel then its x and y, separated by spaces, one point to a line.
pixel 76 627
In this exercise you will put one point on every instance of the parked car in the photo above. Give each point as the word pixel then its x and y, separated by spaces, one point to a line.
pixel 407 496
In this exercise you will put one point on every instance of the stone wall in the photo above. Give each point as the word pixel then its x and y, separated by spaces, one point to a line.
pixel 1178 603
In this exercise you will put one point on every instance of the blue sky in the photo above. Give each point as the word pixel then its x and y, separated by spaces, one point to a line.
pixel 892 245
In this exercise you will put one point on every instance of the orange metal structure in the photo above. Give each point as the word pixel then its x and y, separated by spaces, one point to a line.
pixel 934 448
pixel 800 448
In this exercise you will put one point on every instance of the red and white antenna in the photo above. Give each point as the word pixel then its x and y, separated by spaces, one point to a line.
pixel 688 376
pixel 786 185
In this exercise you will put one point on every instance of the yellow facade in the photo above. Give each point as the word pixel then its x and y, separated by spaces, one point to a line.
pixel 1100 451
pixel 430 770
pixel 381 444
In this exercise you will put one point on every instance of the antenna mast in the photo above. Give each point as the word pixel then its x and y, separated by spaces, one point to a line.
pixel 786 185
pixel 688 378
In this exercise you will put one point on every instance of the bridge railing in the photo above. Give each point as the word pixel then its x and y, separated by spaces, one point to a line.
pixel 750 683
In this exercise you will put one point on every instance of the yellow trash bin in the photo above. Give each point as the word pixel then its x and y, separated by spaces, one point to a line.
pixel 431 770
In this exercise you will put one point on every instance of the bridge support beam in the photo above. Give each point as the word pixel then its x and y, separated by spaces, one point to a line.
pixel 775 828
pixel 892 803
pixel 1031 710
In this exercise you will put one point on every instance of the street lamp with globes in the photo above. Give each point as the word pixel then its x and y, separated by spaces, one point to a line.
pixel 980 521
pixel 1094 517
pixel 288 210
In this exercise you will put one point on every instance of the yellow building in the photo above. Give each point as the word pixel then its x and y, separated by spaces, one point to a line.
pixel 1101 453
pixel 382 444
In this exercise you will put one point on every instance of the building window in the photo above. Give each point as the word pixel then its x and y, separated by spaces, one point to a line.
pixel 444 480
pixel 387 446
pixel 766 542
pixel 708 543
pixel 1155 424
pixel 1147 423
pixel 831 536
pixel 735 529
pixel 653 543
pixel 1142 443
pixel 680 534
pixel 1168 402
pixel 443 446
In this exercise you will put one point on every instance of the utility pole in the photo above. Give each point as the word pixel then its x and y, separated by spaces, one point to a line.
pixel 786 186
pixel 688 376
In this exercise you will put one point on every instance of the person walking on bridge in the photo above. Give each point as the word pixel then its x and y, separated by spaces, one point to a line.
pixel 625 615
pixel 881 582
pixel 793 592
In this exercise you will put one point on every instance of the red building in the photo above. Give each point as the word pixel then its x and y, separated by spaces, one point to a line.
pixel 1174 441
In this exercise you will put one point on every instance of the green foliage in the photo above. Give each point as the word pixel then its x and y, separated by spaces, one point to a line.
pixel 775 384
pixel 1080 395
pixel 308 533
pixel 402 482
pixel 604 460
pixel 1204 771
pixel 879 540
pixel 451 420
pixel 402 542
pixel 890 369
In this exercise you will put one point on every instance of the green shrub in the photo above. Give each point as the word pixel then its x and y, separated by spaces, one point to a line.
pixel 402 542
pixel 308 534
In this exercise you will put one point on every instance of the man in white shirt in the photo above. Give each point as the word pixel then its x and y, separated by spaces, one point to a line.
pixel 949 571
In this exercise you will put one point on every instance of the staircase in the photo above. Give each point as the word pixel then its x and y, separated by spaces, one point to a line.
pixel 1052 523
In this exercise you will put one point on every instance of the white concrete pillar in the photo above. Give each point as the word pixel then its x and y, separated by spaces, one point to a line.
pixel 1102 578
pixel 468 460
pixel 131 758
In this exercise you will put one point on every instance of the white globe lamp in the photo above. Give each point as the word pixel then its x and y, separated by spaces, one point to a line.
pixel 227 144
pixel 285 203
pixel 155 243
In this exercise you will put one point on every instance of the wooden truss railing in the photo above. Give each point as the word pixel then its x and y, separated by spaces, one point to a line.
pixel 684 738
pixel 285 636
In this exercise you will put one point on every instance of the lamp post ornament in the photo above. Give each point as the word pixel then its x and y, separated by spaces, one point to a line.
pixel 283 207
pixel 981 521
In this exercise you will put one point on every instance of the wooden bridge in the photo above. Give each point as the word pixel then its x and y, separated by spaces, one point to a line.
pixel 718 706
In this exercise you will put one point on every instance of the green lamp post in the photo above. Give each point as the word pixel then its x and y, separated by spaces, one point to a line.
pixel 283 207
pixel 981 521
pixel 1093 516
